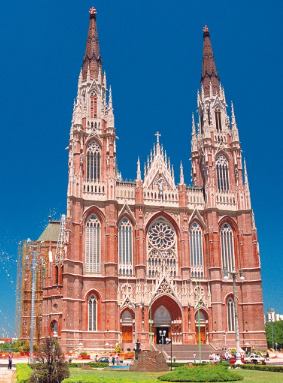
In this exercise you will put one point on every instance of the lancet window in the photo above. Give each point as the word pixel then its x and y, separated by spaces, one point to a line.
pixel 218 120
pixel 227 247
pixel 162 250
pixel 196 250
pixel 222 174
pixel 230 314
pixel 92 245
pixel 125 242
pixel 93 106
pixel 93 162
pixel 92 313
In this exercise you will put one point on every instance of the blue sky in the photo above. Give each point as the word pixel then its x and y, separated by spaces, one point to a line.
pixel 152 56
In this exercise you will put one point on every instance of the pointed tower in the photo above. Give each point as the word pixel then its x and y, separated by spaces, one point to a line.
pixel 92 60
pixel 92 148
pixel 209 76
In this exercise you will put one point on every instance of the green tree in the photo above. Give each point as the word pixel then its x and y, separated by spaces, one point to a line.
pixel 274 333
pixel 50 365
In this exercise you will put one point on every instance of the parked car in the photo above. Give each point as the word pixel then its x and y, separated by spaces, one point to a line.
pixel 104 359
pixel 255 359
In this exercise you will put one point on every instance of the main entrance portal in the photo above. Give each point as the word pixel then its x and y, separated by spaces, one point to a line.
pixel 166 313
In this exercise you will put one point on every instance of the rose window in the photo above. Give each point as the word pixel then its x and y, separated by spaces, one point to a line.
pixel 161 246
pixel 161 235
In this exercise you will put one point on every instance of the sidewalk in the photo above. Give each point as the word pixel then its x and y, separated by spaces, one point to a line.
pixel 6 376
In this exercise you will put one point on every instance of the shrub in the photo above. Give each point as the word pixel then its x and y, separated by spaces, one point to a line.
pixel 209 373
pixel 49 366
pixel 262 367
pixel 23 373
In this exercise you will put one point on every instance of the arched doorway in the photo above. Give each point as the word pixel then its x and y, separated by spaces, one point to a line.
pixel 127 320
pixel 201 321
pixel 165 320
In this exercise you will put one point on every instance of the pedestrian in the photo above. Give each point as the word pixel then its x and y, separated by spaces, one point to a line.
pixel 113 360
pixel 194 355
pixel 10 362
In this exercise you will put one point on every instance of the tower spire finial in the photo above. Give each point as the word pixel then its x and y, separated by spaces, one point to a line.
pixel 92 59
pixel 182 181
pixel 138 170
pixel 209 72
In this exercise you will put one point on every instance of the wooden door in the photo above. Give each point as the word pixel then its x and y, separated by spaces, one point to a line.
pixel 201 333
pixel 127 334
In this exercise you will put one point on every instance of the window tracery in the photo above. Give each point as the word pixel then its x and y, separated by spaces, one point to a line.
pixel 92 245
pixel 222 174
pixel 125 242
pixel 92 313
pixel 162 249
pixel 196 250
pixel 93 162
pixel 227 247
pixel 231 314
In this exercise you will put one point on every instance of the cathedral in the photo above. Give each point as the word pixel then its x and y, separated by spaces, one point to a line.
pixel 152 258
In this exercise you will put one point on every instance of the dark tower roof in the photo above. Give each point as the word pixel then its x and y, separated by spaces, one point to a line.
pixel 92 59
pixel 209 71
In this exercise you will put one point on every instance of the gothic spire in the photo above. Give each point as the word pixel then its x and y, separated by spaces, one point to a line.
pixel 209 72
pixel 182 181
pixel 92 59
pixel 138 170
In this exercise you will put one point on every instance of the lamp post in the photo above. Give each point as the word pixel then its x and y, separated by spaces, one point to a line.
pixel 150 321
pixel 234 275
pixel 162 333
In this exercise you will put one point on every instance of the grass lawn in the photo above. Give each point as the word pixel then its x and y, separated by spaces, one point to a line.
pixel 101 376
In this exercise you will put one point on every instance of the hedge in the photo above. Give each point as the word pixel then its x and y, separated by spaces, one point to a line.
pixel 260 367
pixel 209 373
pixel 90 364
pixel 23 373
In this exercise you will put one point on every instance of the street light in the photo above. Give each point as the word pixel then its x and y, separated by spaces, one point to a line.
pixel 234 275
pixel 162 333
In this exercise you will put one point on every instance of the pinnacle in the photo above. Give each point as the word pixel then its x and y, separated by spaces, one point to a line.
pixel 92 11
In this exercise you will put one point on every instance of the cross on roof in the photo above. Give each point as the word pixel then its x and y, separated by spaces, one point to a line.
pixel 157 135
pixel 92 11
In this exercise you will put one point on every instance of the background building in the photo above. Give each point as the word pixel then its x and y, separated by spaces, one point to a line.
pixel 273 316
pixel 149 258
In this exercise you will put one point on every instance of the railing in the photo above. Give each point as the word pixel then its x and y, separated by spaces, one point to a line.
pixel 125 191
pixel 164 198
pixel 195 198
pixel 221 138
pixel 226 201
pixel 94 190
pixel 126 270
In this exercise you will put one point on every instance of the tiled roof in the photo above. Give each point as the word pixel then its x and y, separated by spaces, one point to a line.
pixel 51 232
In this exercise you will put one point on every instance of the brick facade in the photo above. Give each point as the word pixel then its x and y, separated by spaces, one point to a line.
pixel 165 299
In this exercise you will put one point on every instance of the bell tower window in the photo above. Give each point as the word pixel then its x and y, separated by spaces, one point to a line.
pixel 218 120
pixel 93 162
pixel 125 241
pixel 222 174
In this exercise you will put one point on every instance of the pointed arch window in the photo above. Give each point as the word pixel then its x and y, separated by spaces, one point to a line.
pixel 161 250
pixel 227 247
pixel 230 314
pixel 92 244
pixel 196 250
pixel 222 174
pixel 125 243
pixel 92 313
pixel 218 120
pixel 93 162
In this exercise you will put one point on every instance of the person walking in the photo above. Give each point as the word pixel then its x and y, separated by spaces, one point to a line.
pixel 10 362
